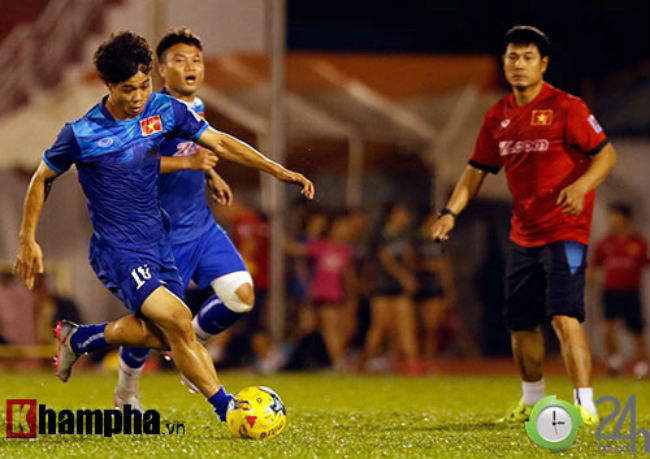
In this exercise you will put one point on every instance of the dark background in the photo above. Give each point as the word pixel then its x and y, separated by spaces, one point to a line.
pixel 591 40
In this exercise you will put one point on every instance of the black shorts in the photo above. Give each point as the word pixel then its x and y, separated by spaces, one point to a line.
pixel 542 282
pixel 626 305
pixel 430 287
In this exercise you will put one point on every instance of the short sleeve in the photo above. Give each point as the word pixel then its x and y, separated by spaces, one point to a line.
pixel 187 123
pixel 583 130
pixel 486 151
pixel 60 156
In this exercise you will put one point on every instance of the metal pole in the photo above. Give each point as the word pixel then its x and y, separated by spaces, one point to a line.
pixel 276 305
pixel 354 189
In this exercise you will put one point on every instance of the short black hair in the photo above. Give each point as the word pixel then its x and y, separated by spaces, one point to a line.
pixel 176 36
pixel 122 56
pixel 621 208
pixel 527 35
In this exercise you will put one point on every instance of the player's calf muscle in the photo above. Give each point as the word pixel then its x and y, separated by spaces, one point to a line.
pixel 131 331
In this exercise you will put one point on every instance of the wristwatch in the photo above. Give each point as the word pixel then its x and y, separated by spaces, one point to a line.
pixel 447 211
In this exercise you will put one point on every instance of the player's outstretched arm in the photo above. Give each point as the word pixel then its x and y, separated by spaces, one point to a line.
pixel 233 149
pixel 29 261
pixel 572 198
pixel 466 188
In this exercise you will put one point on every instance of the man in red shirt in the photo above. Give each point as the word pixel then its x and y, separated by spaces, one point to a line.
pixel 555 154
pixel 623 254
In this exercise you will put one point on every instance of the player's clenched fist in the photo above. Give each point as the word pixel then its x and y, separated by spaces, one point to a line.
pixel 442 227
pixel 29 262
pixel 203 159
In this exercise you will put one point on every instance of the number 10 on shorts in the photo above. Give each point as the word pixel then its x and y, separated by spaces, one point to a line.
pixel 141 275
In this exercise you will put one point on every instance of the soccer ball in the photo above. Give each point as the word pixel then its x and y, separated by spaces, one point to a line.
pixel 256 412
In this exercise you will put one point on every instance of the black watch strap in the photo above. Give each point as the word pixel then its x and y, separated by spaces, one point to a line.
pixel 446 211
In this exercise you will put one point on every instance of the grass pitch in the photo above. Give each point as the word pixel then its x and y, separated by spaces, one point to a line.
pixel 329 416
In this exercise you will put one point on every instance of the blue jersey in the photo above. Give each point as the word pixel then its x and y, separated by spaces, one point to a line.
pixel 182 193
pixel 118 162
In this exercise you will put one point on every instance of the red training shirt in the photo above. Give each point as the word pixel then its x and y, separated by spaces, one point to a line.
pixel 544 147
pixel 623 259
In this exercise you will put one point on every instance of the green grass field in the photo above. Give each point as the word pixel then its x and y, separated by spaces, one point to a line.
pixel 330 416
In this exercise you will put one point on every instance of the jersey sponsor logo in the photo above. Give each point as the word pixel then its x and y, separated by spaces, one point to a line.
pixel 541 118
pixel 594 124
pixel 185 149
pixel 105 142
pixel 151 125
pixel 505 123
pixel 511 147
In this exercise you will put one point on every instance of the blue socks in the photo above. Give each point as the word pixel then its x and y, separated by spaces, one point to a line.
pixel 88 338
pixel 214 316
pixel 220 402
pixel 134 357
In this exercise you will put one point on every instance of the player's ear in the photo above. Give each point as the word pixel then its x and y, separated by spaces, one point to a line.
pixel 161 69
pixel 544 63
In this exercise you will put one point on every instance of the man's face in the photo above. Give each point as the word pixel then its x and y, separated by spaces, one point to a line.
pixel 616 221
pixel 523 65
pixel 182 69
pixel 131 96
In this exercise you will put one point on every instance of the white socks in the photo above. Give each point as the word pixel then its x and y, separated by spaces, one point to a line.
pixel 128 378
pixel 584 396
pixel 533 391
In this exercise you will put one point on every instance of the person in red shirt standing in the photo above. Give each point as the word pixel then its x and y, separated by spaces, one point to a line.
pixel 554 154
pixel 623 254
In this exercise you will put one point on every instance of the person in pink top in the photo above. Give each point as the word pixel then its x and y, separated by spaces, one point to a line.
pixel 331 284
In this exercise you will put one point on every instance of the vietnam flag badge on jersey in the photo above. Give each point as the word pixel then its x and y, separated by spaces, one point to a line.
pixel 151 125
pixel 541 118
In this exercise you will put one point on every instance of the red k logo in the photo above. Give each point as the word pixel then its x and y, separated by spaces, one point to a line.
pixel 21 418
pixel 151 125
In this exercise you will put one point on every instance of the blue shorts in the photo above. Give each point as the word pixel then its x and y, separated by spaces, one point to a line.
pixel 207 257
pixel 133 274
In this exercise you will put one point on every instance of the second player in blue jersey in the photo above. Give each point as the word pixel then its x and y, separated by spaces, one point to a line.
pixel 203 251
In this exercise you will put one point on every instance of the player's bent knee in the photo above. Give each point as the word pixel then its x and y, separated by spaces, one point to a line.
pixel 178 321
pixel 564 324
pixel 246 296
pixel 236 291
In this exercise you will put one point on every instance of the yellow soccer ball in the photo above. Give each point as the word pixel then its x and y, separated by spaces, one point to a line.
pixel 256 412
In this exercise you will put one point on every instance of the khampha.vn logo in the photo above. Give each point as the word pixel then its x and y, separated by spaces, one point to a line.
pixel 27 419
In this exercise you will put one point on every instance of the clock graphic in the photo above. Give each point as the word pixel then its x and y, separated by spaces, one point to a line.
pixel 553 424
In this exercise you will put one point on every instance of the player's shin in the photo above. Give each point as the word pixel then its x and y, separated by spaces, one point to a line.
pixel 193 361
pixel 213 318
pixel 131 363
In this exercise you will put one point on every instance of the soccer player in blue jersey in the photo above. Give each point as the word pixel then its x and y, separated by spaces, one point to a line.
pixel 202 249
pixel 116 148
